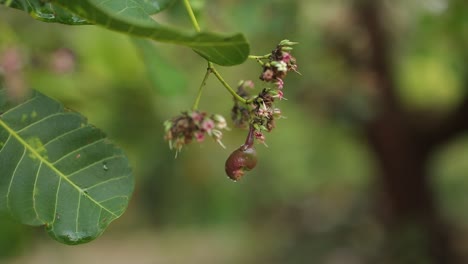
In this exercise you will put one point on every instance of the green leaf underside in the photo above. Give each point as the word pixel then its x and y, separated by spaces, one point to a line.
pixel 134 18
pixel 60 172
pixel 47 12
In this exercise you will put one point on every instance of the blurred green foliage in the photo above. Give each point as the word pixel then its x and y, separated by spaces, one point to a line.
pixel 310 198
pixel 13 238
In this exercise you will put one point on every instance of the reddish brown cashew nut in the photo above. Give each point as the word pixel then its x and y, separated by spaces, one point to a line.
pixel 242 159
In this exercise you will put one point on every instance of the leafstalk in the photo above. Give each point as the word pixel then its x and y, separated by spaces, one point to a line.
pixel 200 90
pixel 266 56
pixel 192 15
pixel 211 68
pixel 226 85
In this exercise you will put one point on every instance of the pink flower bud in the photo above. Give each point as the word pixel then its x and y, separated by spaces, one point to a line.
pixel 249 84
pixel 207 125
pixel 286 57
pixel 197 116
pixel 199 136
pixel 279 83
pixel 259 136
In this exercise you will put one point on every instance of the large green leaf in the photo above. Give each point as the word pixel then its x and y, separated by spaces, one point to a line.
pixel 58 171
pixel 135 18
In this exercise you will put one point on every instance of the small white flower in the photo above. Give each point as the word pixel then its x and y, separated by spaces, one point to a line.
pixel 217 135
pixel 281 66
pixel 220 122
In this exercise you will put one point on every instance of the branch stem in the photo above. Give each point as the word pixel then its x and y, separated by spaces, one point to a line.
pixel 227 86
pixel 211 68
pixel 254 57
pixel 192 15
pixel 200 89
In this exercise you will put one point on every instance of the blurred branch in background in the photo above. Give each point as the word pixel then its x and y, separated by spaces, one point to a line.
pixel 412 217
pixel 402 138
pixel 408 205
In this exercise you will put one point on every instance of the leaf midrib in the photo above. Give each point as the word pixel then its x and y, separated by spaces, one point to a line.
pixel 91 17
pixel 50 165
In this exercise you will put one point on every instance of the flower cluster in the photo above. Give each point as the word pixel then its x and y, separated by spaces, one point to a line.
pixel 241 113
pixel 184 128
pixel 279 63
pixel 260 111
pixel 264 113
pixel 257 113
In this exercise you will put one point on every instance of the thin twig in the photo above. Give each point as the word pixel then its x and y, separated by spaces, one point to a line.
pixel 200 90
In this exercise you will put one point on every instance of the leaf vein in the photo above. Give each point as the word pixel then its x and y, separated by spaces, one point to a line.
pixel 113 197
pixel 56 201
pixel 39 121
pixel 34 192
pixel 23 103
pixel 104 182
pixel 61 135
pixel 78 212
pixel 92 164
pixel 6 142
pixel 78 149
pixel 13 177
pixel 48 164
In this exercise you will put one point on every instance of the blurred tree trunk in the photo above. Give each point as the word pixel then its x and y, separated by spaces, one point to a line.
pixel 415 231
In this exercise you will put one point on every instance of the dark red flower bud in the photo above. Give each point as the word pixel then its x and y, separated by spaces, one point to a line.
pixel 241 160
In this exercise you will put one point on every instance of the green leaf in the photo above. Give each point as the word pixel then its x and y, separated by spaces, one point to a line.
pixel 58 171
pixel 135 18
pixel 165 77
pixel 47 12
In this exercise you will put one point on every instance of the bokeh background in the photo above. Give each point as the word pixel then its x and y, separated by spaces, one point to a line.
pixel 370 165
